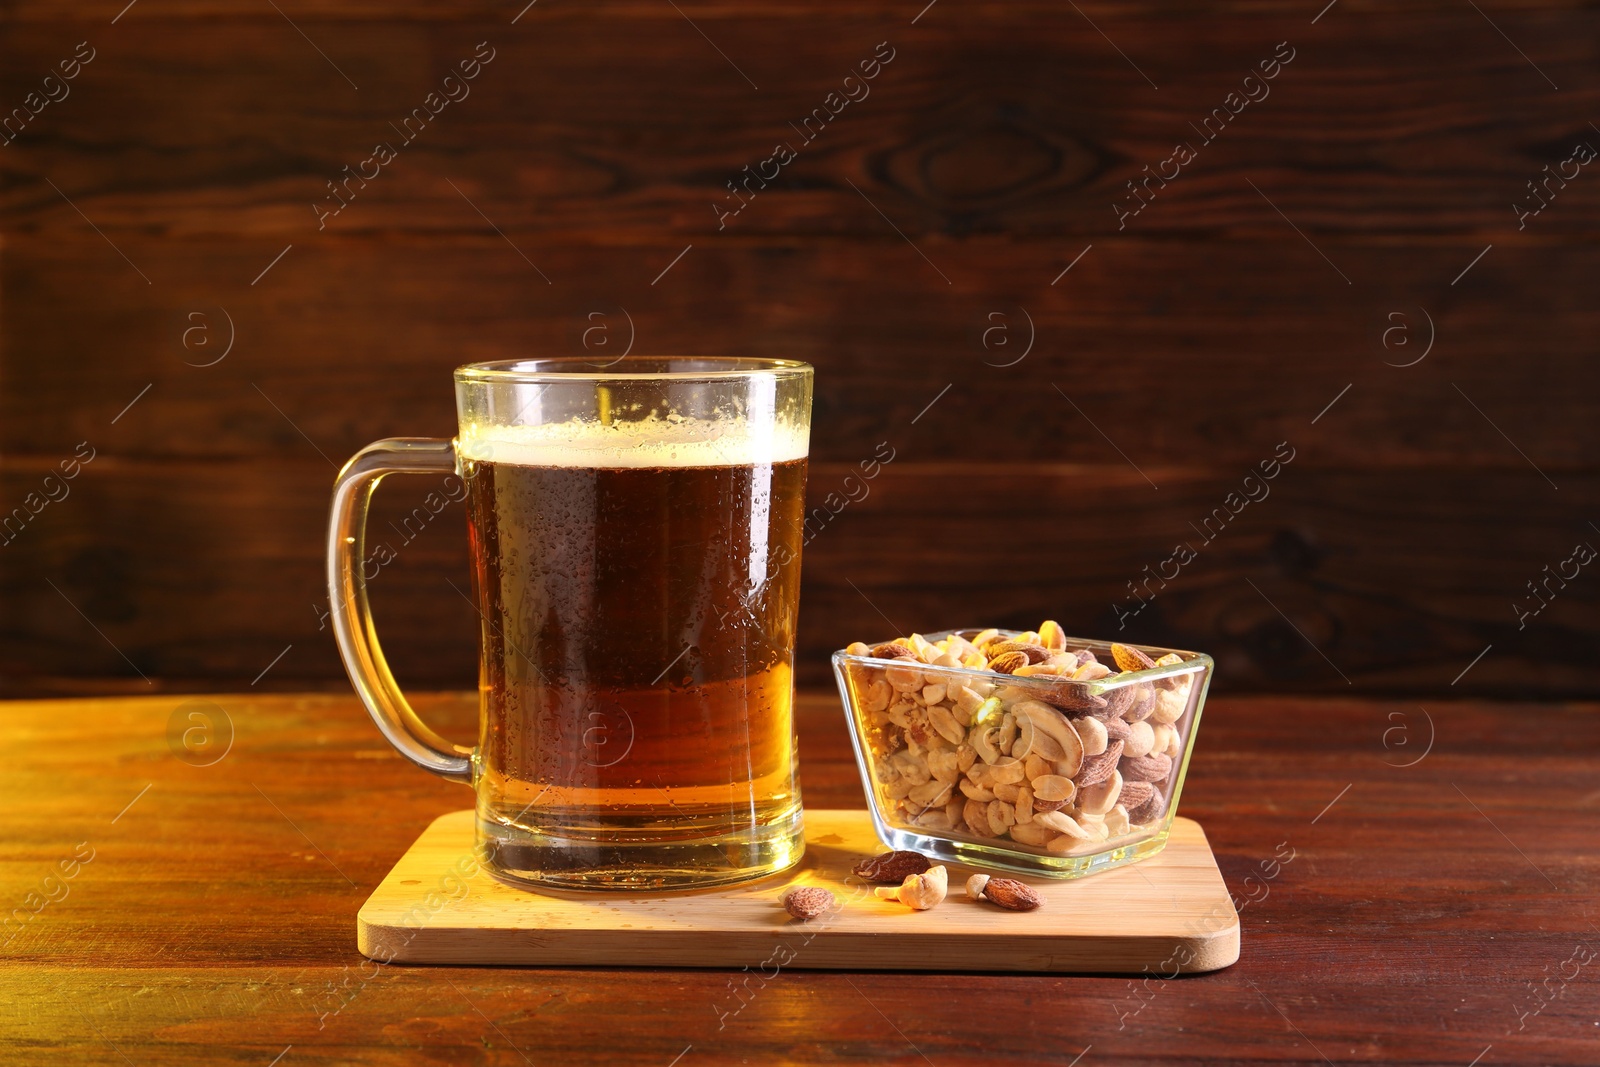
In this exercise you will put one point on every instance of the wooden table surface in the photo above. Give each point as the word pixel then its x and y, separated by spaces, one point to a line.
pixel 1440 906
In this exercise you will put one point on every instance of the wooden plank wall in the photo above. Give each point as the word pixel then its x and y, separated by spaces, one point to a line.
pixel 1338 272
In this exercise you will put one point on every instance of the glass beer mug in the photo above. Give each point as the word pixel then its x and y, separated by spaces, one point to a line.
pixel 635 539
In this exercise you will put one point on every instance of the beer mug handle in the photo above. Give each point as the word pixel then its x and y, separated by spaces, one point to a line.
pixel 347 598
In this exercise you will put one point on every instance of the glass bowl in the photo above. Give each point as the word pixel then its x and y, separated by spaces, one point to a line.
pixel 1070 768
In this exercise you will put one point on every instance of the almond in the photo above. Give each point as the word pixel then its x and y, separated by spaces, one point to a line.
pixel 1006 662
pixel 1119 700
pixel 892 868
pixel 1151 809
pixel 806 902
pixel 1097 769
pixel 893 650
pixel 1135 794
pixel 1144 704
pixel 1035 653
pixel 1129 658
pixel 1152 768
pixel 1011 894
pixel 1069 697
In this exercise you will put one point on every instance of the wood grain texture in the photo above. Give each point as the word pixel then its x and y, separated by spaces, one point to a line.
pixel 1195 353
pixel 214 921
pixel 1387 581
pixel 1173 914
pixel 1188 340
pixel 992 121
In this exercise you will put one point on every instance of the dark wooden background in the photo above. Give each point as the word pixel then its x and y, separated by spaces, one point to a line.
pixel 188 554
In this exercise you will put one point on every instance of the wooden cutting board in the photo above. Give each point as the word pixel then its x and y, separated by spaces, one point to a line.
pixel 1168 914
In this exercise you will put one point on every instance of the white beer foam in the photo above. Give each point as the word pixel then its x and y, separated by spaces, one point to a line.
pixel 652 442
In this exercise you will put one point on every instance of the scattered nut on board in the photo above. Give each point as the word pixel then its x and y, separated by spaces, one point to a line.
pixel 1048 749
pixel 919 891
pixel 806 902
pixel 892 868
pixel 1006 893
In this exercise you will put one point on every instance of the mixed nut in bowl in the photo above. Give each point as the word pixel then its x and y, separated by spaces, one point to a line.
pixel 1031 751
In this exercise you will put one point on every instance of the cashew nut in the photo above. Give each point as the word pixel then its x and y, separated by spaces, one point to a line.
pixel 919 891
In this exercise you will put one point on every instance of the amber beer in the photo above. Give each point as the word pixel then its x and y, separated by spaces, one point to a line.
pixel 635 528
pixel 638 593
